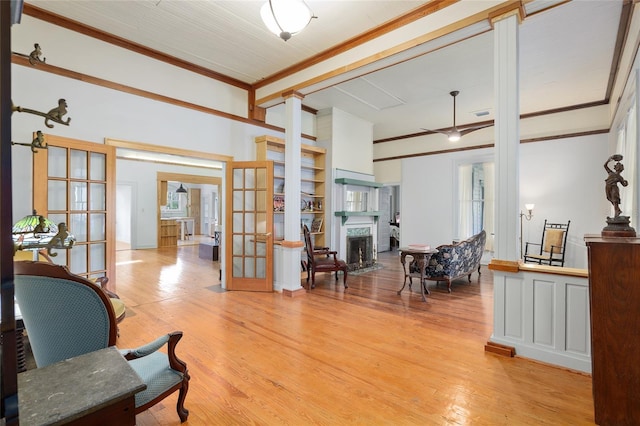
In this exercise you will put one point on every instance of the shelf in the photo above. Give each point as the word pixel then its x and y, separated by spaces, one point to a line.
pixel 311 183
pixel 345 215
pixel 347 181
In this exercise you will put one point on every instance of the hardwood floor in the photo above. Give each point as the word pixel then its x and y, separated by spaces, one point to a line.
pixel 364 356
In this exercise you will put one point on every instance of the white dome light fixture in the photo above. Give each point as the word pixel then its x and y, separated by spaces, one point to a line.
pixel 286 18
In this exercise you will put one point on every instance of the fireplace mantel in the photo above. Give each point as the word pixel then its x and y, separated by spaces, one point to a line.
pixel 345 215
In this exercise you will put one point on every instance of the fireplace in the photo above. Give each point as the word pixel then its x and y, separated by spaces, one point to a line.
pixel 359 252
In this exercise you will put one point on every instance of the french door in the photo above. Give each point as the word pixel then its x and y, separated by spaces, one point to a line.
pixel 248 238
pixel 74 183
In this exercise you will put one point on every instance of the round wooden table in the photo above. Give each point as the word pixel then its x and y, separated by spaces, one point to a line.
pixel 421 255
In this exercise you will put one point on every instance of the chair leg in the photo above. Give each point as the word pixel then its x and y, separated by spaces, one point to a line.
pixel 313 279
pixel 449 286
pixel 344 278
pixel 183 413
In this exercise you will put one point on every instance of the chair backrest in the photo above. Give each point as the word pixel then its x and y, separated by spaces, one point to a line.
pixel 308 244
pixel 555 234
pixel 64 314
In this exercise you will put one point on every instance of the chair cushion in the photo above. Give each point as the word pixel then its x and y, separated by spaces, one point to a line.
pixel 328 264
pixel 553 238
pixel 119 308
pixel 154 370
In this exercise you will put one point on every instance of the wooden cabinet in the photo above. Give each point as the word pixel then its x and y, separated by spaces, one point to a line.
pixel 168 233
pixel 614 297
pixel 312 186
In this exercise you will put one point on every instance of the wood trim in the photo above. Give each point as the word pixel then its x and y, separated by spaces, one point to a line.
pixel 411 16
pixel 294 293
pixel 555 270
pixel 291 244
pixel 292 94
pixel 499 349
pixel 564 136
pixel 61 21
pixel 40 192
pixel 161 185
pixel 491 145
pixel 22 60
pixel 522 116
pixel 182 177
pixel 513 7
pixel 623 33
pixel 504 265
pixel 405 46
pixel 442 151
pixel 141 146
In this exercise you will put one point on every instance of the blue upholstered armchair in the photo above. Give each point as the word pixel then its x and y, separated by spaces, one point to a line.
pixel 65 316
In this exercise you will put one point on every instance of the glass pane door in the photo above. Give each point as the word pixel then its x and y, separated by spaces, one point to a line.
pixel 250 260
pixel 73 183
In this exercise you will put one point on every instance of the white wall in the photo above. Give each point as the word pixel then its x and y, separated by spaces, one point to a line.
pixel 351 138
pixel 564 178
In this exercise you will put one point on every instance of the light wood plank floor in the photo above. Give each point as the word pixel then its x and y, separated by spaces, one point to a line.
pixel 364 356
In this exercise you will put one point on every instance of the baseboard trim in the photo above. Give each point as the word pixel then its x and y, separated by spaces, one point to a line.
pixel 294 293
pixel 497 348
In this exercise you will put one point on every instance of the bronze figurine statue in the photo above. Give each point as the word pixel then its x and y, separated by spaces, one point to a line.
pixel 34 56
pixel 37 142
pixel 618 225
pixel 611 182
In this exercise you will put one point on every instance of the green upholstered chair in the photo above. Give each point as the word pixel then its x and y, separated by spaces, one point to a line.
pixel 66 315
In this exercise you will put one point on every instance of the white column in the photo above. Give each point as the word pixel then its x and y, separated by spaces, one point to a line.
pixel 292 246
pixel 507 135
pixel 507 192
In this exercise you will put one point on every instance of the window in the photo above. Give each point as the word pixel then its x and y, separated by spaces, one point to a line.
pixel 173 200
pixel 475 200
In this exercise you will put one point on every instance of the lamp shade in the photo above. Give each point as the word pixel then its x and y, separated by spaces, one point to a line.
pixel 454 136
pixel 529 206
pixel 181 190
pixel 285 18
pixel 34 232
pixel 34 223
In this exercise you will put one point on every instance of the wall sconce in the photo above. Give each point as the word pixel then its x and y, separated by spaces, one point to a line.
pixel 285 18
pixel 527 216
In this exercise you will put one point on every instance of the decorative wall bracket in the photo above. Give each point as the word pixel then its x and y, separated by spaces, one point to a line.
pixel 34 57
pixel 55 114
pixel 37 142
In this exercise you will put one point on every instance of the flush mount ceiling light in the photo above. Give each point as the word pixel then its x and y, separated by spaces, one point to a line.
pixel 285 18
pixel 454 133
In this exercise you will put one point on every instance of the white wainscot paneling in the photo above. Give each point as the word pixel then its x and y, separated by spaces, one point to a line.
pixel 544 317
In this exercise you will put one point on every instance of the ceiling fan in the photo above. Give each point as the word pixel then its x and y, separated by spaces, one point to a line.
pixel 454 133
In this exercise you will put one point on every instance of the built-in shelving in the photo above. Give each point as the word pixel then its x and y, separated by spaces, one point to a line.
pixel 312 185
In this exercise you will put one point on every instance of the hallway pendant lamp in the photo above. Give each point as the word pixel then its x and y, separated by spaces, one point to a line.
pixel 286 18
pixel 181 190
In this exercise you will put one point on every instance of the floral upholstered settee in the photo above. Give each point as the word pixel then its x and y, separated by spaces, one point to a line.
pixel 455 260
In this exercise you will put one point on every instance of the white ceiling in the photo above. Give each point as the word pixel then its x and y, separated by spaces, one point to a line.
pixel 565 58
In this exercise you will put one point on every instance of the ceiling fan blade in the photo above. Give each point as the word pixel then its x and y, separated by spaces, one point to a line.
pixel 444 132
pixel 473 129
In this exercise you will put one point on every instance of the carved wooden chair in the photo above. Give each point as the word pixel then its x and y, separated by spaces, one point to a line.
pixel 118 305
pixel 66 315
pixel 551 250
pixel 322 260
